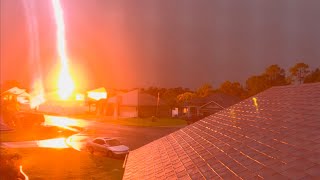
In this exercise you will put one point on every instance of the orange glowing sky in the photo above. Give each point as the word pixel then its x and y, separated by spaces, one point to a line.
pixel 161 43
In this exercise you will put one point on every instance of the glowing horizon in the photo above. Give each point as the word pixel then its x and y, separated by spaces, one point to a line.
pixel 58 143
pixel 65 82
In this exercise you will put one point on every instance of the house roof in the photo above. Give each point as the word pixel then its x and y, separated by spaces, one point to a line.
pixel 222 99
pixel 99 90
pixel 274 135
pixel 15 91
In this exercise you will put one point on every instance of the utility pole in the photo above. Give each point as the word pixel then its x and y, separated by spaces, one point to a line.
pixel 158 100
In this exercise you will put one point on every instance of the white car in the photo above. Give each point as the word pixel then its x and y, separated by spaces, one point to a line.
pixel 109 146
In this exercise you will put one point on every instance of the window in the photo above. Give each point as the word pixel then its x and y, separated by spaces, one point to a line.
pixel 113 142
pixel 99 141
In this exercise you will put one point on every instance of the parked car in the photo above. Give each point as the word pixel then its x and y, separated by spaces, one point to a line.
pixel 109 146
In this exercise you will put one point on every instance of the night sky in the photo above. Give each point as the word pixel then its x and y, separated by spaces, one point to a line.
pixel 166 43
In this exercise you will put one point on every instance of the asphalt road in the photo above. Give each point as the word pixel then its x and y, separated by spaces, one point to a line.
pixel 131 136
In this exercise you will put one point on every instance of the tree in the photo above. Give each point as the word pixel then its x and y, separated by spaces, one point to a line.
pixel 185 97
pixel 299 71
pixel 170 96
pixel 275 75
pixel 256 84
pixel 232 88
pixel 204 90
pixel 152 91
pixel 314 76
pixel 10 162
pixel 180 90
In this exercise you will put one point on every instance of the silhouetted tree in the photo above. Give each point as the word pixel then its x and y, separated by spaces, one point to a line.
pixel 185 97
pixel 151 90
pixel 272 76
pixel 314 76
pixel 170 96
pixel 232 88
pixel 256 84
pixel 275 75
pixel 180 90
pixel 299 71
pixel 10 162
pixel 204 90
pixel 167 94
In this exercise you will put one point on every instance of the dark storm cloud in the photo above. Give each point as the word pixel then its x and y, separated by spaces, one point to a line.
pixel 178 43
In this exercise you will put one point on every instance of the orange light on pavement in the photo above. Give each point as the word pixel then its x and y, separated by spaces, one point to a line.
pixel 64 122
pixel 58 143
pixel 76 142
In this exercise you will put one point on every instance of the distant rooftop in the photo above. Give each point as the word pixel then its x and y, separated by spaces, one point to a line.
pixel 222 99
pixel 273 135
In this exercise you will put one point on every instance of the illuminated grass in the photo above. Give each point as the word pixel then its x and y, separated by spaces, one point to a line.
pixel 68 164
pixel 49 163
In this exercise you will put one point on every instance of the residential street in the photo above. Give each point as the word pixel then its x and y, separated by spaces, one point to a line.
pixel 132 136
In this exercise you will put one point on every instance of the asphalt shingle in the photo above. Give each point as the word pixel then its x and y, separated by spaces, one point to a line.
pixel 273 135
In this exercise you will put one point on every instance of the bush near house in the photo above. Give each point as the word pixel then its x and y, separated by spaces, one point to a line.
pixel 9 165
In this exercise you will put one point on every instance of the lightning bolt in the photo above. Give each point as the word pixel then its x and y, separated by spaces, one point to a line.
pixel 37 93
pixel 65 82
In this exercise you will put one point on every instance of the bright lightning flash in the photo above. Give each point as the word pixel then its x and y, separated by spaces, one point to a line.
pixel 255 103
pixel 65 82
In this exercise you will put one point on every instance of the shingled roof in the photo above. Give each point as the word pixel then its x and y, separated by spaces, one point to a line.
pixel 275 134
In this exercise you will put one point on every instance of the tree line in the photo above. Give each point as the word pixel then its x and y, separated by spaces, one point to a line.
pixel 273 75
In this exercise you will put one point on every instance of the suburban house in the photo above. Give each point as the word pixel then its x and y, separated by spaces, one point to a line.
pixel 134 104
pixel 273 135
pixel 97 94
pixel 95 97
pixel 16 93
pixel 202 107
pixel 53 104
pixel 16 97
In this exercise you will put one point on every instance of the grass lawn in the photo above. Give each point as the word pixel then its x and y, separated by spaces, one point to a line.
pixel 51 163
pixel 158 122
pixel 45 163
